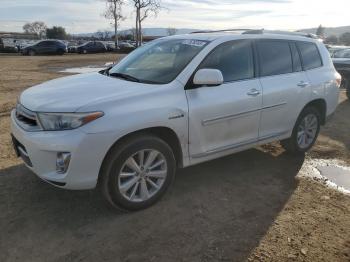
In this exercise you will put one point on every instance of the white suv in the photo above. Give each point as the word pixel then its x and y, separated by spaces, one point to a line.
pixel 175 102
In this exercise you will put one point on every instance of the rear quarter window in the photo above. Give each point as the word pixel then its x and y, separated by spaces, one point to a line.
pixel 310 55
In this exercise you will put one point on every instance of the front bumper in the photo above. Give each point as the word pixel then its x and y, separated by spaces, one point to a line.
pixel 87 153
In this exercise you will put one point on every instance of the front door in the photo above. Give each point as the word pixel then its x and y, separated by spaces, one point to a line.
pixel 226 116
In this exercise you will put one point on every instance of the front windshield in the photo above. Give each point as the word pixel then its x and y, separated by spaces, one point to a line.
pixel 159 62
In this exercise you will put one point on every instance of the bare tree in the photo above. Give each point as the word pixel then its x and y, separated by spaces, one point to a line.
pixel 37 27
pixel 99 35
pixel 107 34
pixel 114 12
pixel 103 35
pixel 144 9
pixel 171 31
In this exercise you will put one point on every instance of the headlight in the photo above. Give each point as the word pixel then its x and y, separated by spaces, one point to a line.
pixel 66 121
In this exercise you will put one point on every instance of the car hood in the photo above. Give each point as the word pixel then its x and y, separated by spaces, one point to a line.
pixel 68 94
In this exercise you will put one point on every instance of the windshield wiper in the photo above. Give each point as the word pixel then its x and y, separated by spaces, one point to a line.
pixel 106 71
pixel 125 76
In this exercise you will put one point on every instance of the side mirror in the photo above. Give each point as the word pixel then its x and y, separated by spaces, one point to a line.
pixel 208 77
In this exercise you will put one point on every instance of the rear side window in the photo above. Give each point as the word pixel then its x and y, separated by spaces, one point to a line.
pixel 234 59
pixel 42 44
pixel 275 57
pixel 310 55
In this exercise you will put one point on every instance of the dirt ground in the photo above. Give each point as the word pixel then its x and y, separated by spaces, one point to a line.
pixel 245 207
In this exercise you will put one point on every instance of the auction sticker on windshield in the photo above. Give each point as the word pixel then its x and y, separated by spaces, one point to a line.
pixel 192 42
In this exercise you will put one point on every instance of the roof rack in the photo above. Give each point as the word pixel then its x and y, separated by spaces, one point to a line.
pixel 222 30
pixel 260 31
pixel 280 32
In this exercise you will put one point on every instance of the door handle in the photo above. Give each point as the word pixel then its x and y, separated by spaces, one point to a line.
pixel 303 84
pixel 253 92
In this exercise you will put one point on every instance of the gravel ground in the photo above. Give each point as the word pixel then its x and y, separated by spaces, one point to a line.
pixel 248 206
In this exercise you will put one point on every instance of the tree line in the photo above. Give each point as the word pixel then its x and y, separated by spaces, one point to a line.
pixel 143 9
pixel 40 29
pixel 113 12
pixel 343 39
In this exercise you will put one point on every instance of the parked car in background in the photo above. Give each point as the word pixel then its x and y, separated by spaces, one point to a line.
pixel 341 61
pixel 1 44
pixel 175 102
pixel 72 49
pixel 72 46
pixel 110 46
pixel 92 47
pixel 125 48
pixel 45 47
pixel 334 49
pixel 8 46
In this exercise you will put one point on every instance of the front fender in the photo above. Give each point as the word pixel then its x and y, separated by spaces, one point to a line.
pixel 166 107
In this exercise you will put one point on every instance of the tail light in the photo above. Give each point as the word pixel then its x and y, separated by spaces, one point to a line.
pixel 338 79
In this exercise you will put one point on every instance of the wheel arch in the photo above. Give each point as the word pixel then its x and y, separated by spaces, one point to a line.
pixel 321 105
pixel 165 133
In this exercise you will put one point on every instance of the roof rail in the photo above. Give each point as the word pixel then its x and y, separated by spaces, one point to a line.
pixel 259 31
pixel 222 30
pixel 280 32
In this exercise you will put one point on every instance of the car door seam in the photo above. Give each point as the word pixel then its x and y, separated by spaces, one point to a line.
pixel 214 120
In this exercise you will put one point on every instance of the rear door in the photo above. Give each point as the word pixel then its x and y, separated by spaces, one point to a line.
pixel 52 47
pixel 101 47
pixel 42 47
pixel 285 86
pixel 227 116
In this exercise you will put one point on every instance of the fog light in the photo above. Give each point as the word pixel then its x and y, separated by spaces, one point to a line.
pixel 62 162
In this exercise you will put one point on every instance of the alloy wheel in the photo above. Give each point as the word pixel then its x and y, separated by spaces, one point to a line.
pixel 142 175
pixel 307 131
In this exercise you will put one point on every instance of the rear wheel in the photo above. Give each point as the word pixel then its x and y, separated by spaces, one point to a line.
pixel 137 172
pixel 31 52
pixel 305 132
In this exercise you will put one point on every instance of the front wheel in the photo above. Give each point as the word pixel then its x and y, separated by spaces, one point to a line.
pixel 305 132
pixel 31 53
pixel 60 52
pixel 137 172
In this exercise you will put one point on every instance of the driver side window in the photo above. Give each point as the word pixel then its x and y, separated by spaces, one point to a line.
pixel 42 44
pixel 234 59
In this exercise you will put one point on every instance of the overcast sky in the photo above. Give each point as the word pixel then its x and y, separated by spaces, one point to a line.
pixel 80 16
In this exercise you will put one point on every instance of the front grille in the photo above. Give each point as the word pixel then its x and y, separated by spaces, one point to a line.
pixel 27 119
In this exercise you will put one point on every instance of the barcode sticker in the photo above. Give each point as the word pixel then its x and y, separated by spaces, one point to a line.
pixel 192 42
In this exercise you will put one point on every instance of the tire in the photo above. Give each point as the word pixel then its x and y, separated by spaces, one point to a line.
pixel 85 51
pixel 115 174
pixel 31 53
pixel 292 144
